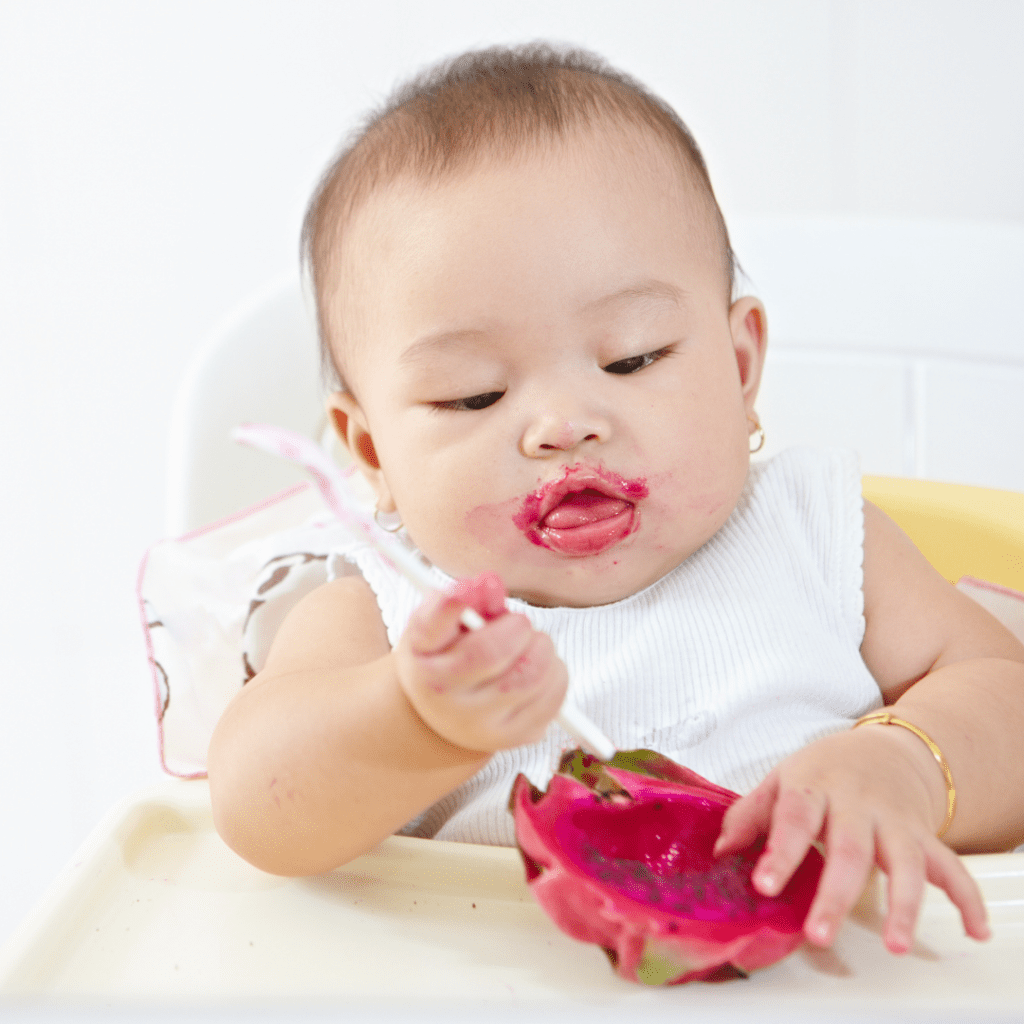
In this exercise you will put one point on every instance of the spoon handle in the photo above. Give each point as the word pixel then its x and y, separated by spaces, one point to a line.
pixel 340 500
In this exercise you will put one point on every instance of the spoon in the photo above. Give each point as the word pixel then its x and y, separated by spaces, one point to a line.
pixel 339 499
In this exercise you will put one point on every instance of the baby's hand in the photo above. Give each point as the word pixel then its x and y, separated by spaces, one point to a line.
pixel 489 689
pixel 859 795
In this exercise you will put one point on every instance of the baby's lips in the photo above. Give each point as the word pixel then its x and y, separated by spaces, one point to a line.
pixel 484 593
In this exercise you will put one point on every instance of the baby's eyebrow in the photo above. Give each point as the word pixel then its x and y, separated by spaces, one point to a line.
pixel 422 348
pixel 648 289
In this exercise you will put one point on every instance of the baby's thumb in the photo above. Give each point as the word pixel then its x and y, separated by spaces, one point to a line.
pixel 434 626
pixel 485 593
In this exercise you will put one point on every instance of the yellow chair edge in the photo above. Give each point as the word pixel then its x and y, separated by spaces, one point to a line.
pixel 961 529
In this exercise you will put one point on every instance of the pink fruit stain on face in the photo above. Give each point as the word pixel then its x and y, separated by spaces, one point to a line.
pixel 584 511
pixel 491 524
pixel 530 511
pixel 565 436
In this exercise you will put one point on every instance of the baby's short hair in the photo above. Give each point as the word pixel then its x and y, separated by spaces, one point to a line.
pixel 496 102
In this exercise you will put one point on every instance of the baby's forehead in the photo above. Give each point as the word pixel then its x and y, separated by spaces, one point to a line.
pixel 580 213
pixel 392 225
pixel 610 153
pixel 486 106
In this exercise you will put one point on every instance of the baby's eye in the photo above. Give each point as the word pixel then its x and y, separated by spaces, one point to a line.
pixel 635 363
pixel 473 403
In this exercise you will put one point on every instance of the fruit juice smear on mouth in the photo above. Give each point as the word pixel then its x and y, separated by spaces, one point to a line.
pixel 584 512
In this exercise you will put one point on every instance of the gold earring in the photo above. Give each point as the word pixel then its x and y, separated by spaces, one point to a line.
pixel 756 428
pixel 390 521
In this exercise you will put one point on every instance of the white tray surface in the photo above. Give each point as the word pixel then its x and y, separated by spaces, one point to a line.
pixel 156 908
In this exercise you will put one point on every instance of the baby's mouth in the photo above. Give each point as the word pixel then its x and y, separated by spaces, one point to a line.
pixel 584 513
pixel 583 508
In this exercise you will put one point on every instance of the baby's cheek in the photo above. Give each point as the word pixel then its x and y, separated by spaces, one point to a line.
pixel 501 542
pixel 492 522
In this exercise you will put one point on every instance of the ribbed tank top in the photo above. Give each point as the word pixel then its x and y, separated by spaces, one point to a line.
pixel 742 654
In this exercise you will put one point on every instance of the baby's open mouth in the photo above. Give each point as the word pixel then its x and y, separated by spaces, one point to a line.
pixel 582 508
pixel 584 513
pixel 585 522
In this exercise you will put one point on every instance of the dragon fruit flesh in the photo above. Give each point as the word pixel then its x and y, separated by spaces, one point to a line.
pixel 619 853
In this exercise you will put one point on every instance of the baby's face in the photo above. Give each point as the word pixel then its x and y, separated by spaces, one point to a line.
pixel 547 378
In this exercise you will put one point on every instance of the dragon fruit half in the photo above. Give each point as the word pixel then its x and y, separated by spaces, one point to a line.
pixel 619 853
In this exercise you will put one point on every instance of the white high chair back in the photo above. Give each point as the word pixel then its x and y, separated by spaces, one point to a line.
pixel 261 364
pixel 900 339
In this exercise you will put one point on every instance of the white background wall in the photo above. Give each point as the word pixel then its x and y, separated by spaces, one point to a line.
pixel 154 164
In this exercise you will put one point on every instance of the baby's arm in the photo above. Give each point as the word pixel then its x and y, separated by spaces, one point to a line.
pixel 340 741
pixel 876 794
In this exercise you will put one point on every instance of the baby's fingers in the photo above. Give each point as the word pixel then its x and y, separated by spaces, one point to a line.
pixel 748 818
pixel 436 624
pixel 486 593
pixel 907 864
pixel 904 862
pixel 797 820
pixel 850 856
pixel 946 870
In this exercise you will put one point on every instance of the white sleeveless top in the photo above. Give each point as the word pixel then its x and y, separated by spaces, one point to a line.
pixel 747 651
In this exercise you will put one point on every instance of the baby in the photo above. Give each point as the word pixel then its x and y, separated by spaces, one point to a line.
pixel 525 286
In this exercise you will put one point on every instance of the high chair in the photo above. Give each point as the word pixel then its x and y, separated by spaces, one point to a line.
pixel 154 906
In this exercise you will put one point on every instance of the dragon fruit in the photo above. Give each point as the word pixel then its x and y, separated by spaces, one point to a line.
pixel 619 853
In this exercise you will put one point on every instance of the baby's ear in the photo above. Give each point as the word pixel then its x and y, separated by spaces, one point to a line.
pixel 748 324
pixel 350 425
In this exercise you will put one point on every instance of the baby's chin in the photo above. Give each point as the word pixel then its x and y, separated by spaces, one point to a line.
pixel 571 583
pixel 584 590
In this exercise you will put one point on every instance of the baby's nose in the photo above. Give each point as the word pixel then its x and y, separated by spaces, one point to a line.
pixel 551 432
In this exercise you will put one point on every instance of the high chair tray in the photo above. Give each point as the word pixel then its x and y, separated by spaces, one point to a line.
pixel 156 907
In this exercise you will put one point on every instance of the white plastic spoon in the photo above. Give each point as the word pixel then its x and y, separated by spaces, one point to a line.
pixel 340 500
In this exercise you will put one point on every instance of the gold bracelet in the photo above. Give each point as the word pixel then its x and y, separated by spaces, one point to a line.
pixel 888 718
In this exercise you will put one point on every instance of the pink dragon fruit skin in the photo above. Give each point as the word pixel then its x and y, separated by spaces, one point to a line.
pixel 618 853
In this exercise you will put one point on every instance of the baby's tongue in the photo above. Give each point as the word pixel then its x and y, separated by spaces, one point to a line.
pixel 581 508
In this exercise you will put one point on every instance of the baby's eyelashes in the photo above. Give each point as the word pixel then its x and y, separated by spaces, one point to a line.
pixel 634 363
pixel 621 366
pixel 475 402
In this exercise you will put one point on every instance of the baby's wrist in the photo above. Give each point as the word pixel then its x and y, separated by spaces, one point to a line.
pixel 927 759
